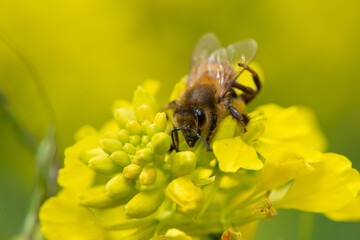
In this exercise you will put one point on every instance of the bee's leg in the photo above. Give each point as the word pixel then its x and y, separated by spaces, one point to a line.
pixel 171 105
pixel 237 116
pixel 249 93
pixel 246 118
pixel 175 139
pixel 212 127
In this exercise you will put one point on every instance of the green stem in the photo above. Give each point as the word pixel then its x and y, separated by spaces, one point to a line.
pixel 306 226
pixel 213 191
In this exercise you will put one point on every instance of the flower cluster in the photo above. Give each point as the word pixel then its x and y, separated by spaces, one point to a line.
pixel 125 182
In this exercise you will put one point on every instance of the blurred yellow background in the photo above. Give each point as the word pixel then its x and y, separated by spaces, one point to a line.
pixel 65 62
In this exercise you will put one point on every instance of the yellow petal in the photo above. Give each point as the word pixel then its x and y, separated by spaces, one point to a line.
pixel 151 86
pixel 351 212
pixel 226 129
pixel 62 218
pixel 76 175
pixel 279 168
pixel 178 89
pixel 331 186
pixel 287 125
pixel 188 197
pixel 234 153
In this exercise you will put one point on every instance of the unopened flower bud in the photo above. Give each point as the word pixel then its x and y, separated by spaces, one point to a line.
pixel 110 145
pixel 141 97
pixel 188 197
pixel 144 126
pixel 152 130
pixel 133 127
pixel 119 187
pixel 96 197
pixel 135 140
pixel 145 113
pixel 161 143
pixel 110 134
pixel 123 115
pixel 176 234
pixel 144 203
pixel 147 176
pixel 123 135
pixel 132 171
pixel 87 155
pixel 129 148
pixel 120 158
pixel 183 163
pixel 160 121
pixel 103 164
pixel 145 140
pixel 144 156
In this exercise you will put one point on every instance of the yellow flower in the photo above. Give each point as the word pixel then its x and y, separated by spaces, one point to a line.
pixel 125 182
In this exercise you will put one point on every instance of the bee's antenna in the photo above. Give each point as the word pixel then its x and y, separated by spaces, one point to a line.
pixel 176 138
pixel 198 135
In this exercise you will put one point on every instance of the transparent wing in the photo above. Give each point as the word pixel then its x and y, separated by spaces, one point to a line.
pixel 242 52
pixel 208 56
pixel 206 45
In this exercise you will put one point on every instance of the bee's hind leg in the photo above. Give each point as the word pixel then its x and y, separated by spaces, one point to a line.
pixel 239 118
pixel 249 93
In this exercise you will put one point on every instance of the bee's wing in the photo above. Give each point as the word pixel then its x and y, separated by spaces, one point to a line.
pixel 206 45
pixel 242 52
pixel 239 52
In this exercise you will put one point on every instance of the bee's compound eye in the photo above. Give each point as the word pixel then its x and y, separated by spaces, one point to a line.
pixel 200 114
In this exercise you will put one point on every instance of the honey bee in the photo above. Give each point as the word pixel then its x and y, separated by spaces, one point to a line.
pixel 209 95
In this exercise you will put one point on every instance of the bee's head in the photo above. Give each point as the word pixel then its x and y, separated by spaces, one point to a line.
pixel 190 120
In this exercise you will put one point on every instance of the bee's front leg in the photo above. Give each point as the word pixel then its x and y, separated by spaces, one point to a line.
pixel 212 127
pixel 237 116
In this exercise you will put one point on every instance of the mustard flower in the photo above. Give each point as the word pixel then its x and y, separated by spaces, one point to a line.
pixel 124 181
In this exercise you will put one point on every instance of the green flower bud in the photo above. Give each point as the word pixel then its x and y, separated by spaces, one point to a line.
pixel 135 140
pixel 188 197
pixel 161 143
pixel 132 171
pixel 183 163
pixel 109 134
pixel 119 187
pixel 152 129
pixel 141 97
pixel 123 135
pixel 147 176
pixel 145 125
pixel 144 156
pixel 87 155
pixel 96 197
pixel 144 203
pixel 160 121
pixel 103 164
pixel 123 115
pixel 145 113
pixel 145 140
pixel 129 148
pixel 133 127
pixel 120 158
pixel 110 145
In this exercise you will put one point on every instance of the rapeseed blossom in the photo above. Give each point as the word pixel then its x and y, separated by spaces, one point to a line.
pixel 124 181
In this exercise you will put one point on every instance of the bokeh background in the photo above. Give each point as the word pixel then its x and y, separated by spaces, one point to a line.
pixel 66 61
